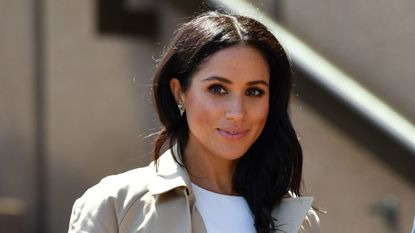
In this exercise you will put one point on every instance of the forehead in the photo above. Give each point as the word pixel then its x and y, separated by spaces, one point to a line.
pixel 235 62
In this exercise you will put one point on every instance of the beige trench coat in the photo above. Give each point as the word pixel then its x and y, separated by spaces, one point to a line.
pixel 145 201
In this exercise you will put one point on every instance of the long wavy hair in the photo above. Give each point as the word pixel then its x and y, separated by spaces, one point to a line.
pixel 272 166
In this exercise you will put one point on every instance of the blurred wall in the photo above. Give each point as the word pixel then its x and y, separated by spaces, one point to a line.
pixel 17 106
pixel 374 42
pixel 98 104
pixel 371 40
pixel 347 180
pixel 99 108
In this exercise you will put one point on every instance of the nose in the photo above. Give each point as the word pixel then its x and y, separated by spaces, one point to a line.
pixel 235 109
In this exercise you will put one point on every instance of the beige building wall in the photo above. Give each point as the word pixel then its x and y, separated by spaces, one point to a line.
pixel 371 40
pixel 99 108
pixel 17 109
pixel 347 180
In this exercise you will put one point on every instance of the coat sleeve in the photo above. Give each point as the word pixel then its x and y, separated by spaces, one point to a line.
pixel 311 223
pixel 103 207
pixel 93 213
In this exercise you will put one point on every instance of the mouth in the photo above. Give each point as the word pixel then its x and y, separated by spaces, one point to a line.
pixel 232 134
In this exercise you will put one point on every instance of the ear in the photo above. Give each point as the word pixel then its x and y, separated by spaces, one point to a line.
pixel 176 89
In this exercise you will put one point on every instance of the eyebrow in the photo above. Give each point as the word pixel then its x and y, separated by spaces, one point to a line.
pixel 224 80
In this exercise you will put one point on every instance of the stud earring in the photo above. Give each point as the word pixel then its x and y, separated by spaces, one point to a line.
pixel 182 109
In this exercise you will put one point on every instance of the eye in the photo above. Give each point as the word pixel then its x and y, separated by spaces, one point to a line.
pixel 255 92
pixel 217 89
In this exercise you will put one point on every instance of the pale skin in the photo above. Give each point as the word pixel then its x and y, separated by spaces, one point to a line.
pixel 226 106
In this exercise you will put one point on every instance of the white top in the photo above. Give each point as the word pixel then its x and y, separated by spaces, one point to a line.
pixel 223 213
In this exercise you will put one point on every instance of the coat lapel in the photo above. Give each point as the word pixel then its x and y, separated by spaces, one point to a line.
pixel 174 200
pixel 290 213
pixel 175 210
pixel 169 175
pixel 197 222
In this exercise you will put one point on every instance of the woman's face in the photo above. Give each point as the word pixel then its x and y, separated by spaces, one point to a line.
pixel 226 103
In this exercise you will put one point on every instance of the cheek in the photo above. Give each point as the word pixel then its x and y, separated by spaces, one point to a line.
pixel 200 110
pixel 260 114
pixel 261 107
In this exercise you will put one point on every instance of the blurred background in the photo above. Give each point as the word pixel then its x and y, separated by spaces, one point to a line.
pixel 75 103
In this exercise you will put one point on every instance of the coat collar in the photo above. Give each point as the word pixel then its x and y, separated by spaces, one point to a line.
pixel 170 176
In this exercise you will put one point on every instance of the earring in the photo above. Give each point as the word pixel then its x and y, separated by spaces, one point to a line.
pixel 182 109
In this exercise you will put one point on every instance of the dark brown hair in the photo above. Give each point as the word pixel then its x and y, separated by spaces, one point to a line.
pixel 272 166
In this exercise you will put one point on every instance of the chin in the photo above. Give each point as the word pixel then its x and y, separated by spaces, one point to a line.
pixel 234 154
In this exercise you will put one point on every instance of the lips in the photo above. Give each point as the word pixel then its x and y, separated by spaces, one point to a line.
pixel 232 134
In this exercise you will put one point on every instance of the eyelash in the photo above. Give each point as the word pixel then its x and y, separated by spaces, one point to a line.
pixel 258 92
pixel 217 89
pixel 220 90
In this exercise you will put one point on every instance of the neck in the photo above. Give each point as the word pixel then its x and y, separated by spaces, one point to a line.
pixel 209 171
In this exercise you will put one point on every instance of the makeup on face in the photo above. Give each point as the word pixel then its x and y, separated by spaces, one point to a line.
pixel 227 102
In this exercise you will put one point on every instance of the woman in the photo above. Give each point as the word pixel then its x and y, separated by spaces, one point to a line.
pixel 233 162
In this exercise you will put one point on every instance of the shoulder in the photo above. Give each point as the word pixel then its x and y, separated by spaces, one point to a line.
pixel 295 214
pixel 311 223
pixel 102 207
